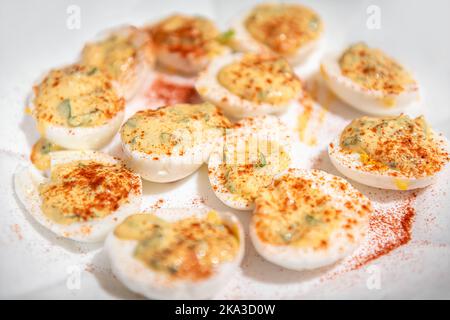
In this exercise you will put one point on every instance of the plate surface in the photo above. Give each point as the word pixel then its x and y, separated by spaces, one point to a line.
pixel 34 263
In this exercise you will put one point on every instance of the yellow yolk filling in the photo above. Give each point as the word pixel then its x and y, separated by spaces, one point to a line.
pixel 116 55
pixel 40 154
pixel 374 70
pixel 173 129
pixel 85 190
pixel 247 170
pixel 186 249
pixel 292 212
pixel 398 143
pixel 187 36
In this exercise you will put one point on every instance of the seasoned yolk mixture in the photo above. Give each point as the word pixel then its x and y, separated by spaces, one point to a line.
pixel 116 55
pixel 246 170
pixel 292 212
pixel 374 70
pixel 400 143
pixel 174 129
pixel 284 28
pixel 86 190
pixel 187 36
pixel 261 79
pixel 40 154
pixel 186 249
pixel 76 96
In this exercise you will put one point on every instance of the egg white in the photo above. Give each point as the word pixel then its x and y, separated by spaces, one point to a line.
pixel 139 278
pixel 243 41
pixel 348 163
pixel 267 128
pixel 368 101
pixel 307 258
pixel 27 179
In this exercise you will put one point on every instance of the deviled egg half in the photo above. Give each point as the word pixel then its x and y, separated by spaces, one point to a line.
pixel 369 80
pixel 76 107
pixel 125 55
pixel 252 153
pixel 87 194
pixel 171 142
pixel 308 219
pixel 394 152
pixel 176 253
pixel 247 85
pixel 185 44
pixel 292 31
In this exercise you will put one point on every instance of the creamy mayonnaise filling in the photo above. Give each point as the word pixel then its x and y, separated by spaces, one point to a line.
pixel 374 70
pixel 40 154
pixel 76 96
pixel 248 169
pixel 185 249
pixel 86 190
pixel 284 28
pixel 398 143
pixel 172 130
pixel 295 211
